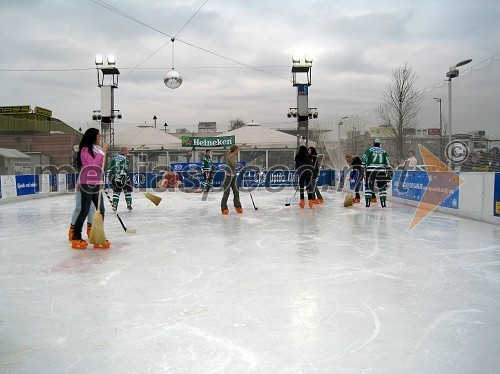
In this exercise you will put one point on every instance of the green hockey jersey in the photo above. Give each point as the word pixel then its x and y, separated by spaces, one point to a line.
pixel 206 163
pixel 118 167
pixel 375 158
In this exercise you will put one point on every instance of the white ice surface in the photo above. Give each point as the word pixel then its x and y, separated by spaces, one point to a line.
pixel 274 290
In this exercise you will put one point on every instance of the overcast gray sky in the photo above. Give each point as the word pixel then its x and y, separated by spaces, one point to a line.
pixel 355 45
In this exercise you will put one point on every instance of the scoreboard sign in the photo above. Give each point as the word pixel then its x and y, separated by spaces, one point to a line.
pixel 19 109
pixel 43 111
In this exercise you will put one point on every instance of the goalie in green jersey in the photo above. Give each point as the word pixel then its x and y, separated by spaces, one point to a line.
pixel 207 168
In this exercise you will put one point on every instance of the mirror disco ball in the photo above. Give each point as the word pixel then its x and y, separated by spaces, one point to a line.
pixel 173 79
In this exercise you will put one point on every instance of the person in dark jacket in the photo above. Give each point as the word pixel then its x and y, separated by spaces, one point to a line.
pixel 316 162
pixel 356 174
pixel 304 168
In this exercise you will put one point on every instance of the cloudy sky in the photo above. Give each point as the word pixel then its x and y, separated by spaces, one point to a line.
pixel 235 58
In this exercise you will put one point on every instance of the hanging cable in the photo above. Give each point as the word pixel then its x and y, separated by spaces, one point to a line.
pixel 115 10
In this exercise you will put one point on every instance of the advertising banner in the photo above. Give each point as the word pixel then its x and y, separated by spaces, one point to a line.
pixel 27 184
pixel 496 196
pixel 208 142
pixel 439 188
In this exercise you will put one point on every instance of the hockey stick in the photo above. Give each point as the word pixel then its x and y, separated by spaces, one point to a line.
pixel 128 231
pixel 251 197
pixel 288 204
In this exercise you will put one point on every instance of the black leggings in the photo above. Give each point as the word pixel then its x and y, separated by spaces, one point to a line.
pixel 89 194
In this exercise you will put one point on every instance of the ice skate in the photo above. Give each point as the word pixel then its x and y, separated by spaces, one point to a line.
pixel 103 246
pixel 129 206
pixel 225 211
pixel 311 203
pixel 239 210
pixel 382 202
pixel 302 203
pixel 367 203
pixel 79 244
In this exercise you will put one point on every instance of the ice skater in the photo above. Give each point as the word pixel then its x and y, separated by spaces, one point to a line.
pixel 207 169
pixel 378 168
pixel 90 161
pixel 304 168
pixel 356 174
pixel 119 179
pixel 316 162
pixel 230 181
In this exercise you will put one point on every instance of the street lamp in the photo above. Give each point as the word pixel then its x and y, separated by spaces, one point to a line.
pixel 438 99
pixel 340 150
pixel 154 119
pixel 453 73
pixel 165 125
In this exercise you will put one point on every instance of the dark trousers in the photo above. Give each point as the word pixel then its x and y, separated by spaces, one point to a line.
pixel 358 182
pixel 230 182
pixel 89 195
pixel 314 187
pixel 306 182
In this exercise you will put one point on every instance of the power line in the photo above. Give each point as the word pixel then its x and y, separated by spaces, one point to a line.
pixel 116 10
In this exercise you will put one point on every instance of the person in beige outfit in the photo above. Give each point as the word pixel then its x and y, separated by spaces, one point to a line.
pixel 230 181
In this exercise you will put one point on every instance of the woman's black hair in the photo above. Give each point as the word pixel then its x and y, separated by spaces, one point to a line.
pixel 303 149
pixel 313 151
pixel 88 141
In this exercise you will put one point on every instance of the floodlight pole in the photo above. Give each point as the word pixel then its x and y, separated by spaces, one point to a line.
pixel 109 74
pixel 302 96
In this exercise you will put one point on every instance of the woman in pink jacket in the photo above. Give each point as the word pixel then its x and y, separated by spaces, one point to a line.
pixel 89 160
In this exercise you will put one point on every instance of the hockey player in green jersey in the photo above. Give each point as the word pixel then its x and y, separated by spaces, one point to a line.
pixel 207 169
pixel 378 170
pixel 119 179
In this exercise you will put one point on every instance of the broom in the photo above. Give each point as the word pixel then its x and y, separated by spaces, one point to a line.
pixel 348 199
pixel 154 199
pixel 97 235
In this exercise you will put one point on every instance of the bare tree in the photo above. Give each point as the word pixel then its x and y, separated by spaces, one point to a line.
pixel 236 123
pixel 401 105
pixel 354 129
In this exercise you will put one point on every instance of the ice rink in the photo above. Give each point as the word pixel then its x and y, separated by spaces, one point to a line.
pixel 274 290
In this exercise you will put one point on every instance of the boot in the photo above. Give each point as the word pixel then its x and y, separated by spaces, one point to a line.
pixel 70 233
pixel 318 201
pixel 374 199
pixel 302 204
pixel 103 246
pixel 367 202
pixel 79 244
pixel 356 200
pixel 311 203
pixel 239 210
pixel 89 227
pixel 129 206
pixel 225 211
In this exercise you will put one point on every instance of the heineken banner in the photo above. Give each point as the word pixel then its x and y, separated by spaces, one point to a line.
pixel 208 142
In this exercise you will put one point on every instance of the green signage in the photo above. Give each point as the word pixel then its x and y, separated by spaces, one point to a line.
pixel 209 142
